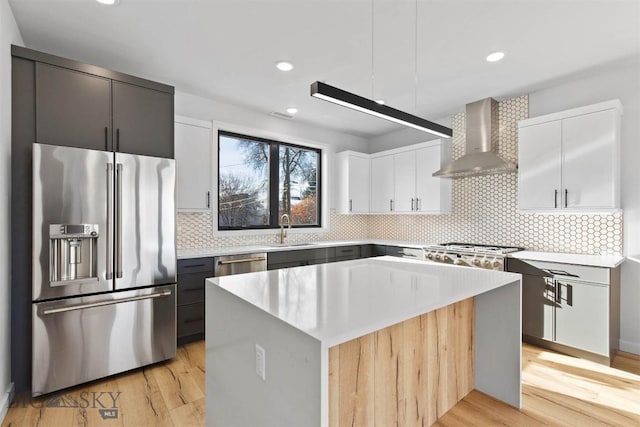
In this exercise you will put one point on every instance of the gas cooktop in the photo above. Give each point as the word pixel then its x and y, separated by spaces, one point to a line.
pixel 473 248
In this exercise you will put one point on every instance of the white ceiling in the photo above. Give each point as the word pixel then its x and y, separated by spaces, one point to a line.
pixel 226 49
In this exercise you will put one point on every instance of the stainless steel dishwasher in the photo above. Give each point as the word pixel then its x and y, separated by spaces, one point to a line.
pixel 238 264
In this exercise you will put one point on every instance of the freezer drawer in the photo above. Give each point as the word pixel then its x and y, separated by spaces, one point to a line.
pixel 82 339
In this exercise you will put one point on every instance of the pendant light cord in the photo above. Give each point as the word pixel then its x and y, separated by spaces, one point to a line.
pixel 373 74
pixel 415 71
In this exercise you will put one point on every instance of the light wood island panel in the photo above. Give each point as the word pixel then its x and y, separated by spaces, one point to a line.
pixel 408 374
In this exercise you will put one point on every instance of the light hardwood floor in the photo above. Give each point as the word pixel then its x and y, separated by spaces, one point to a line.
pixel 557 390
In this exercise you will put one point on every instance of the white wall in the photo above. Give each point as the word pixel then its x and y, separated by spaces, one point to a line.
pixel 207 109
pixel 9 34
pixel 620 80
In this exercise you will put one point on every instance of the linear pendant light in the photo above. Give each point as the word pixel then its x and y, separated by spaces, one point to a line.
pixel 351 100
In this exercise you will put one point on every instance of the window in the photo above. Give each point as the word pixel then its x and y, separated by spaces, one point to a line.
pixel 259 180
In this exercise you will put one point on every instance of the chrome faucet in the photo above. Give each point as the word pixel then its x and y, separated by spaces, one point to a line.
pixel 283 232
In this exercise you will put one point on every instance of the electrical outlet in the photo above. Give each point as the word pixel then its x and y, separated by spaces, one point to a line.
pixel 261 356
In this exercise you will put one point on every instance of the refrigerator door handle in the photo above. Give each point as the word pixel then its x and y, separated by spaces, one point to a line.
pixel 164 293
pixel 109 275
pixel 118 220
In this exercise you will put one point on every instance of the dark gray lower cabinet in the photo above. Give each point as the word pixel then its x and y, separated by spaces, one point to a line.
pixel 569 308
pixel 191 276
pixel 299 257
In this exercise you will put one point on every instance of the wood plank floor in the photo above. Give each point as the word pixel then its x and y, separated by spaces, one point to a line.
pixel 558 390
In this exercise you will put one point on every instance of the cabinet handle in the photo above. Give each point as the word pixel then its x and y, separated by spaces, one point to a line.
pixel 417 204
pixel 106 138
pixel 208 199
pixel 566 198
pixel 412 205
pixel 391 205
pixel 350 205
pixel 118 139
pixel 555 199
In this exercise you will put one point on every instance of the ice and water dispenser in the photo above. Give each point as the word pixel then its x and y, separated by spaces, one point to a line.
pixel 73 252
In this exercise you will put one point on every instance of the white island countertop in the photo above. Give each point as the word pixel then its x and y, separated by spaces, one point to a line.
pixel 340 301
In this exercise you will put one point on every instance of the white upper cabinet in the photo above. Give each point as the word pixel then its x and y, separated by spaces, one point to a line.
pixel 193 142
pixel 571 160
pixel 352 182
pixel 433 195
pixel 394 181
pixel 404 166
pixel 401 180
pixel 539 166
pixel 382 184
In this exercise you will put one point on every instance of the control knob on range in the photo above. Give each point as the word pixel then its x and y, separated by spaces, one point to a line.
pixel 487 263
pixel 446 258
pixel 437 257
pixel 476 262
pixel 496 264
pixel 430 256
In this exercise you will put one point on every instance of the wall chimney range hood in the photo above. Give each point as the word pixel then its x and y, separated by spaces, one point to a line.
pixel 481 144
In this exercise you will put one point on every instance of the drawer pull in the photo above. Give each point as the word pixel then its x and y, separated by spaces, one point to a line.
pixel 559 273
pixel 195 265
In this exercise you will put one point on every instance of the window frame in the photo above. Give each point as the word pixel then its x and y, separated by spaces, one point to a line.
pixel 274 177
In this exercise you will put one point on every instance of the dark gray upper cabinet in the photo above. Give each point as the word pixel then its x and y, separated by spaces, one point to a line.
pixel 72 108
pixel 142 120
pixel 81 105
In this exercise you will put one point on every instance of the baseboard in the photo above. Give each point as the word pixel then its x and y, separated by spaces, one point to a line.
pixel 5 401
pixel 630 347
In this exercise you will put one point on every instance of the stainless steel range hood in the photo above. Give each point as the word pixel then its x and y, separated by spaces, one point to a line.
pixel 481 144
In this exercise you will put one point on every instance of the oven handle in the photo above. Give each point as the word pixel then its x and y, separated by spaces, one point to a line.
pixel 239 261
pixel 160 294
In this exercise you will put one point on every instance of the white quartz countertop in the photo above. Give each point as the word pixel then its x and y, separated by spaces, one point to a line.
pixel 340 301
pixel 607 261
pixel 210 252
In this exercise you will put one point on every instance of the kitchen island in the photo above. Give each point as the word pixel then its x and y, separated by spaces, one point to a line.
pixel 370 341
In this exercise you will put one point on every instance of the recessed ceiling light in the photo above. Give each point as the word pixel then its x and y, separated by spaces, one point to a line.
pixel 495 56
pixel 380 101
pixel 109 2
pixel 284 66
pixel 292 110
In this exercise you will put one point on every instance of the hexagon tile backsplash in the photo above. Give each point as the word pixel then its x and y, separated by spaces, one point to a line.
pixel 483 211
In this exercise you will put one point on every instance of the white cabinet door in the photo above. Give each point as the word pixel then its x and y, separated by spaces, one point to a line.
pixel 193 164
pixel 539 168
pixel 430 190
pixel 582 316
pixel 382 185
pixel 359 171
pixel 404 181
pixel 589 160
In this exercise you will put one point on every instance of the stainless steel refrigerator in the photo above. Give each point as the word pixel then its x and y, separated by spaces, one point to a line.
pixel 104 264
